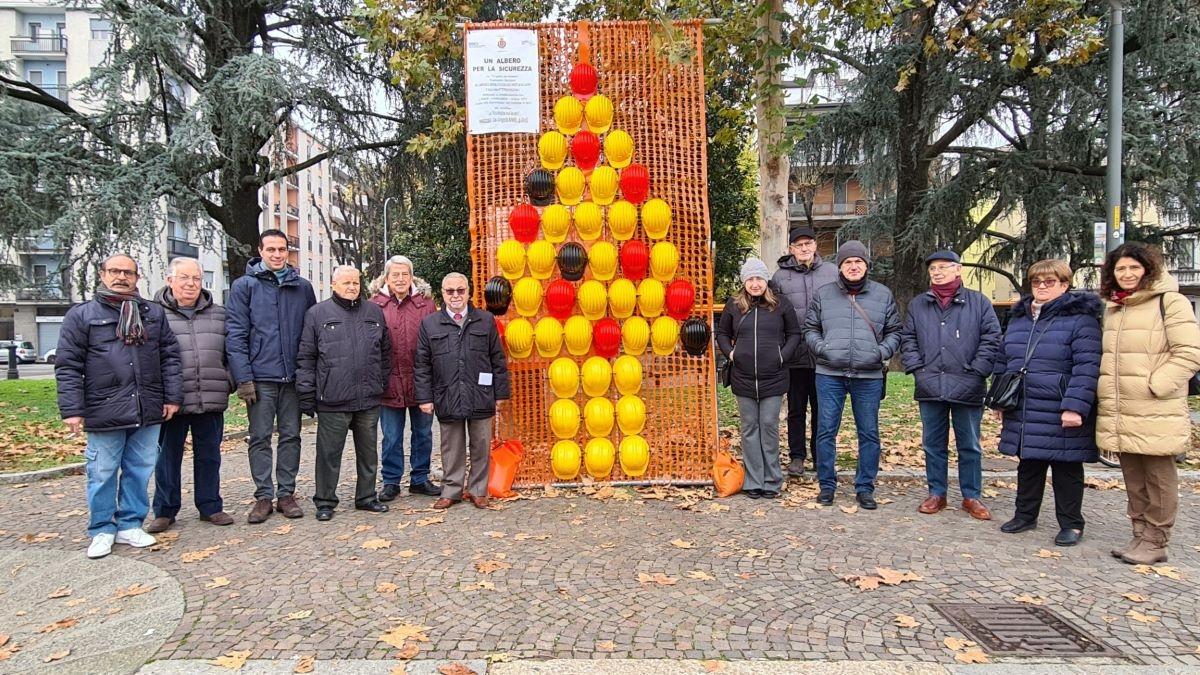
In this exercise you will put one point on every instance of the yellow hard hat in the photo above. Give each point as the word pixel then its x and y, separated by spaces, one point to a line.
pixel 598 416
pixel 596 375
pixel 627 374
pixel 565 458
pixel 564 418
pixel 622 298
pixel 548 336
pixel 556 221
pixel 589 221
pixel 541 258
pixel 664 334
pixel 598 113
pixel 568 115
pixel 635 333
pixel 511 256
pixel 635 456
pixel 569 184
pixel 577 333
pixel 602 259
pixel 592 299
pixel 598 456
pixel 656 218
pixel 622 219
pixel 631 414
pixel 664 258
pixel 564 377
pixel 618 149
pixel 518 336
pixel 552 150
pixel 527 296
pixel 604 183
pixel 651 296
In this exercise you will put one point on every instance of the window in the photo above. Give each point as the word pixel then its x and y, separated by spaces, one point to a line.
pixel 208 279
pixel 39 274
pixel 101 29
pixel 35 27
pixel 840 190
pixel 35 77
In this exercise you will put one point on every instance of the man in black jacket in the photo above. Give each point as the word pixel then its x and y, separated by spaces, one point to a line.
pixel 118 374
pixel 342 369
pixel 461 374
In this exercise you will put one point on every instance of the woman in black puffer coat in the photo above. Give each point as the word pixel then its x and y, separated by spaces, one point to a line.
pixel 758 332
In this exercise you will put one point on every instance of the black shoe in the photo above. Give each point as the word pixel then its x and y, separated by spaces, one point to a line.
pixel 374 507
pixel 1068 537
pixel 753 494
pixel 1017 525
pixel 770 494
pixel 324 514
pixel 866 500
pixel 826 497
pixel 426 488
pixel 389 492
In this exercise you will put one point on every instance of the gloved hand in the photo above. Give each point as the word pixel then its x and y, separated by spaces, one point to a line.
pixel 247 392
pixel 308 406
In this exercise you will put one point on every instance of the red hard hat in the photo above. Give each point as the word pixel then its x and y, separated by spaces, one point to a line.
pixel 680 298
pixel 635 183
pixel 635 258
pixel 585 148
pixel 606 337
pixel 583 79
pixel 560 298
pixel 523 221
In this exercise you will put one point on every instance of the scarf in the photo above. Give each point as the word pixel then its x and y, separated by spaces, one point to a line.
pixel 1119 296
pixel 945 292
pixel 347 304
pixel 1035 309
pixel 853 287
pixel 129 325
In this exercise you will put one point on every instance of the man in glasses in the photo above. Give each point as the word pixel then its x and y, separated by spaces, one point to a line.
pixel 118 373
pixel 801 272
pixel 949 342
pixel 460 375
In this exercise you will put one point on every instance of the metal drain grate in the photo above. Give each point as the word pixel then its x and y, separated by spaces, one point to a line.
pixel 1022 630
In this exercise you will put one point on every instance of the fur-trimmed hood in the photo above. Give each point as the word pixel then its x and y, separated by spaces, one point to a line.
pixel 1068 304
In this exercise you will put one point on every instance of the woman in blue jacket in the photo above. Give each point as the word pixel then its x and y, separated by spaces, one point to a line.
pixel 1055 335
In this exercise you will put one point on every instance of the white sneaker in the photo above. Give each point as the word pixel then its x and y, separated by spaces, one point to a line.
pixel 136 538
pixel 101 545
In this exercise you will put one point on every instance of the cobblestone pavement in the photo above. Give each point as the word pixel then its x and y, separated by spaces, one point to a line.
pixel 624 574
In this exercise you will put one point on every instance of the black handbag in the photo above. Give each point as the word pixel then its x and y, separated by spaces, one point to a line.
pixel 1194 382
pixel 725 374
pixel 1008 389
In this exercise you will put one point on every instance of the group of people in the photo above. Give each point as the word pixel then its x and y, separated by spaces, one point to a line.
pixel 139 376
pixel 1093 372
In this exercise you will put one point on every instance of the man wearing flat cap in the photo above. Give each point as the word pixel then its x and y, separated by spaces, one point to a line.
pixel 948 343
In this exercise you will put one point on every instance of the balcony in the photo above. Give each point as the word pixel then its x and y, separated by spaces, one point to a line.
pixel 43 292
pixel 177 248
pixel 292 181
pixel 41 45
pixel 831 210
pixel 293 243
pixel 57 91
pixel 1186 277
pixel 38 242
pixel 292 211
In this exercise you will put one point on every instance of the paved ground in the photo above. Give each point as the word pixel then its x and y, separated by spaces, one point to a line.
pixel 31 371
pixel 614 575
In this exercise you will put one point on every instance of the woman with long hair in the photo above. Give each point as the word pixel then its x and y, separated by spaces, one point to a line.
pixel 1151 350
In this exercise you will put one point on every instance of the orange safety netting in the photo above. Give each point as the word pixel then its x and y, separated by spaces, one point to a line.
pixel 661 106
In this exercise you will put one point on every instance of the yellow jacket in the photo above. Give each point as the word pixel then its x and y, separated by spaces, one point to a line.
pixel 1144 372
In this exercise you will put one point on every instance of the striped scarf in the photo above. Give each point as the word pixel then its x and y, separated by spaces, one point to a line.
pixel 129 325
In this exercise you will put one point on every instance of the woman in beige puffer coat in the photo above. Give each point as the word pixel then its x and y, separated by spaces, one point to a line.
pixel 1151 350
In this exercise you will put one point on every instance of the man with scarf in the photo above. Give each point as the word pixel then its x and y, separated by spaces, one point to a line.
pixel 852 328
pixel 119 378
pixel 949 342
pixel 342 370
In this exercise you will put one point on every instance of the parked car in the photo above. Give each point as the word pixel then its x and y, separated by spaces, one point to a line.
pixel 25 352
pixel 48 357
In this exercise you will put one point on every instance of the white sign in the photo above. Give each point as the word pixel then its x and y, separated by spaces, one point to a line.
pixel 1098 241
pixel 502 82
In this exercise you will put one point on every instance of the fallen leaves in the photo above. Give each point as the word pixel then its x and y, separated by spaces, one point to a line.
pixel 522 536
pixel 883 575
pixel 376 544
pixel 1134 597
pixel 399 636
pixel 905 621
pixel 39 537
pixel 409 651
pixel 700 575
pixel 282 529
pixel 217 582
pixel 605 646
pixel 432 520
pixel 407 553
pixel 232 660
pixel 1161 570
pixel 477 586
pixel 455 668
pixel 386 587
pixel 197 556
pixel 965 651
pixel 657 578
pixel 754 553
pixel 298 615
pixel 853 508
pixel 1045 553
pixel 1101 484
pixel 136 589
pixel 60 592
pixel 489 566
pixel 68 622
pixel 57 656
pixel 1141 618
pixel 1028 599
pixel 305 664
pixel 680 543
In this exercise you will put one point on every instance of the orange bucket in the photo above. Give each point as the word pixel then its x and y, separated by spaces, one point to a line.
pixel 502 467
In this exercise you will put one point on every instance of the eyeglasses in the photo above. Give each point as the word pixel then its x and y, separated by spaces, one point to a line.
pixel 454 291
pixel 941 268
pixel 1044 283
pixel 118 272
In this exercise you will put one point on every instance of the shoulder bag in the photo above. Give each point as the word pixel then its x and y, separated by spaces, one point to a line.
pixel 1194 382
pixel 1008 388
pixel 863 314
pixel 725 374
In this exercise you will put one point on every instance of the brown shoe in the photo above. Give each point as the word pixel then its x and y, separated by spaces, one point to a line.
pixel 218 518
pixel 976 509
pixel 932 504
pixel 480 502
pixel 160 524
pixel 260 512
pixel 288 507
pixel 443 503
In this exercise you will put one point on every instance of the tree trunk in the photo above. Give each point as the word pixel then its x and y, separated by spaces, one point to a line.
pixel 773 164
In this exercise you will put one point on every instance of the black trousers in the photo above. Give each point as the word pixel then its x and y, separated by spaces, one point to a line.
pixel 802 395
pixel 331 440
pixel 1067 480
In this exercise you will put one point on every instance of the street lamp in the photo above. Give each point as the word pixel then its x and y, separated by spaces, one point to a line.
pixel 1115 233
pixel 383 258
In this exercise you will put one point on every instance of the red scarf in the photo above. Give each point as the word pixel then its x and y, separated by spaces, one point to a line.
pixel 1119 296
pixel 945 292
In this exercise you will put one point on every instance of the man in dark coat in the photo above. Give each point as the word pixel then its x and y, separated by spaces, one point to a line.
pixel 199 325
pixel 950 340
pixel 852 328
pixel 118 374
pixel 801 272
pixel 403 309
pixel 461 374
pixel 265 312
pixel 344 362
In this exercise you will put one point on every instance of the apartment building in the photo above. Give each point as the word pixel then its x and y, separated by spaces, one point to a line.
pixel 55 48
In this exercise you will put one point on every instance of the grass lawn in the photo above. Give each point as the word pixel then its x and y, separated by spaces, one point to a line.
pixel 33 432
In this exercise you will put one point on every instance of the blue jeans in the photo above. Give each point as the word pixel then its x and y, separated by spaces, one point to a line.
pixel 207 430
pixel 865 395
pixel 936 418
pixel 420 447
pixel 119 464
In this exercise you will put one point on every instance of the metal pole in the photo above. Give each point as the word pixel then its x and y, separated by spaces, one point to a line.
pixel 383 260
pixel 1115 234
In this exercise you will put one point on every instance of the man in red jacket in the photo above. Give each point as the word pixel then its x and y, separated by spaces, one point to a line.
pixel 403 308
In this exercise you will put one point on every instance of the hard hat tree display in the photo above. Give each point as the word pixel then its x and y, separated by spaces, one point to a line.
pixel 591 240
